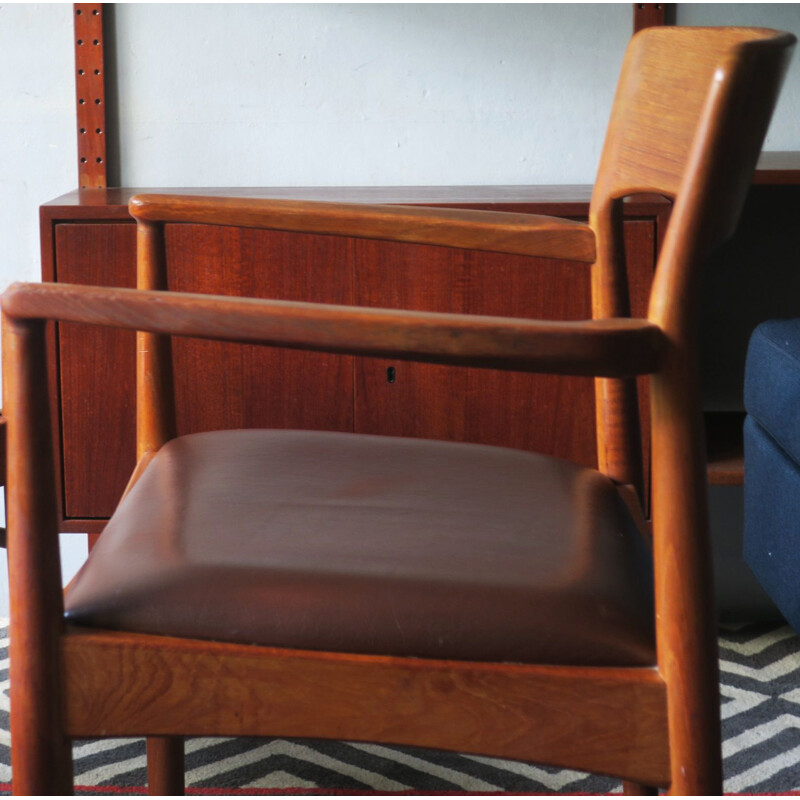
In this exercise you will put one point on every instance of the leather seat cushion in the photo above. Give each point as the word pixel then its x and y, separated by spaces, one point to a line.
pixel 372 544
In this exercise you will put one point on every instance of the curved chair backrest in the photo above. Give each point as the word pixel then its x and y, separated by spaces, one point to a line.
pixel 689 117
pixel 660 117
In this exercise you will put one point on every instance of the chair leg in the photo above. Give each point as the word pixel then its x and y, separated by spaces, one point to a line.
pixel 640 789
pixel 165 765
pixel 40 765
pixel 41 757
pixel 686 632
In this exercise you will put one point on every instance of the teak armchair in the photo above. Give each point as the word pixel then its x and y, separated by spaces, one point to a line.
pixel 480 599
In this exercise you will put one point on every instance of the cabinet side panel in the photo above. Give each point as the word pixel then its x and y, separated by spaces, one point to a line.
pixel 47 238
pixel 97 373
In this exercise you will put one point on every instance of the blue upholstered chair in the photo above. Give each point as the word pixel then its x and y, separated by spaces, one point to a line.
pixel 772 463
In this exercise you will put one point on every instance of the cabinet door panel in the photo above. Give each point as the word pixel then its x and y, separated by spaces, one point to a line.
pixel 467 404
pixel 220 385
pixel 97 367
pixel 217 385
pixel 545 413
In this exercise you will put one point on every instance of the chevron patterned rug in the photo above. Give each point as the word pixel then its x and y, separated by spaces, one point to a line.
pixel 760 718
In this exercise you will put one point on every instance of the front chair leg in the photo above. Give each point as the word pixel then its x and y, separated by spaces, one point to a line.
pixel 165 765
pixel 41 757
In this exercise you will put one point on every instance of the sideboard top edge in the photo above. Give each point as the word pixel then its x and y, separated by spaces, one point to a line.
pixel 773 168
pixel 423 195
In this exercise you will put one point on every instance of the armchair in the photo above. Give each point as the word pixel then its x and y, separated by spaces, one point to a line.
pixel 287 583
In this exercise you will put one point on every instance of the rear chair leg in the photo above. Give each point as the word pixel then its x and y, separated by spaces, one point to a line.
pixel 640 789
pixel 165 765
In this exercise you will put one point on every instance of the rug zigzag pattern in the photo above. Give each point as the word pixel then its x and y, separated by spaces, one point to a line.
pixel 760 686
pixel 760 676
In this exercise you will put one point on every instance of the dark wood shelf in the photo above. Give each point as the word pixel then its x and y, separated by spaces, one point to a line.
pixel 778 168
pixel 752 280
pixel 724 444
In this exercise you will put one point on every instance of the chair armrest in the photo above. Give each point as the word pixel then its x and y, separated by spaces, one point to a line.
pixel 494 231
pixel 608 348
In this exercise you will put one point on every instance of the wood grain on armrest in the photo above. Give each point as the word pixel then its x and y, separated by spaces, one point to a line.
pixel 494 231
pixel 613 347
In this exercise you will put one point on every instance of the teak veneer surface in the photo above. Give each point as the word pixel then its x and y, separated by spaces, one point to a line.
pixel 115 200
pixel 108 356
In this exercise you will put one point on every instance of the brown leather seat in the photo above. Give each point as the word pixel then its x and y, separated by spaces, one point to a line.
pixel 448 551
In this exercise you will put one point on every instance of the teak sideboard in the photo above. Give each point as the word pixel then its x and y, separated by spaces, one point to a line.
pixel 89 238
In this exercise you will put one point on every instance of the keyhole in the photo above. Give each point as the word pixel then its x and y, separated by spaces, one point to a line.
pixel 391 375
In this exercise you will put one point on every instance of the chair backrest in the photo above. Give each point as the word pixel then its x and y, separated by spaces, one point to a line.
pixel 689 117
pixel 673 84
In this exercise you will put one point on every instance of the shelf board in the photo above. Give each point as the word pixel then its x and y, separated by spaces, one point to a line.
pixel 778 168
pixel 725 447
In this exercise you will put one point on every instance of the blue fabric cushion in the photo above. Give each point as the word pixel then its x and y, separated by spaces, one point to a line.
pixel 772 519
pixel 772 382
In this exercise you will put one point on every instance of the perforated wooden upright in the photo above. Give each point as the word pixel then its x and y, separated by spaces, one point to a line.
pixel 90 94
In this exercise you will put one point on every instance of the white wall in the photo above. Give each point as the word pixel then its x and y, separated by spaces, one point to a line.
pixel 385 94
pixel 37 129
pixel 784 132
pixel 325 95
pixel 365 94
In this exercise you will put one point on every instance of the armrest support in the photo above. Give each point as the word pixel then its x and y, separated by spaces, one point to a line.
pixel 494 231
pixel 608 348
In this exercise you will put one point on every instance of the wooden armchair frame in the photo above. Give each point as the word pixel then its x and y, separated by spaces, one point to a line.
pixel 712 93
